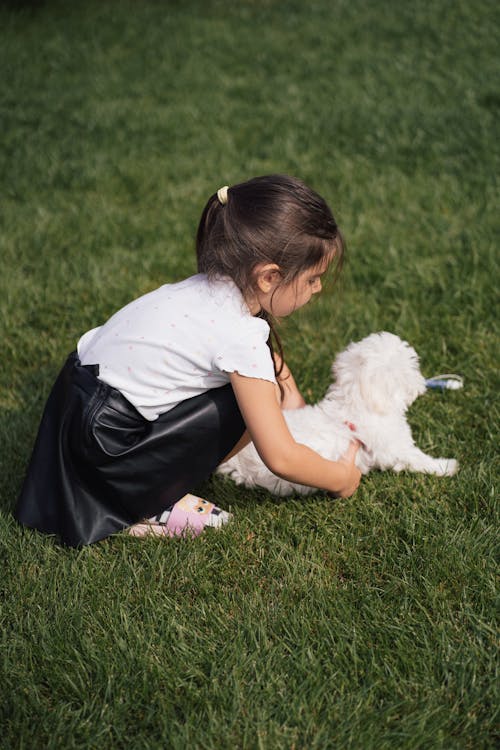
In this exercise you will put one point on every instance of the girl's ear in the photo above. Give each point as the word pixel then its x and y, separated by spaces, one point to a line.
pixel 267 276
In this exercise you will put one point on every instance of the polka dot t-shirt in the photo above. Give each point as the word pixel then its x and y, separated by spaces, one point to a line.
pixel 177 342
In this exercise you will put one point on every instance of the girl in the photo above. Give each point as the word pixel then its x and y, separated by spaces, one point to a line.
pixel 157 397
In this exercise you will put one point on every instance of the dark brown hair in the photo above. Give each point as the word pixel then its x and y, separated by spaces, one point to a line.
pixel 270 219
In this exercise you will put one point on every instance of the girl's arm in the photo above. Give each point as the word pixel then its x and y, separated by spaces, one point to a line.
pixel 279 451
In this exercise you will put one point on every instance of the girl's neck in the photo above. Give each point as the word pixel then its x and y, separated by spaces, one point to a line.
pixel 252 303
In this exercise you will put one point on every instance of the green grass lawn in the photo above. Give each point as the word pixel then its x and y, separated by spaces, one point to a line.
pixel 306 623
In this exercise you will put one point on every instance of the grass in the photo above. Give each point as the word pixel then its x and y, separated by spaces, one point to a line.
pixel 367 623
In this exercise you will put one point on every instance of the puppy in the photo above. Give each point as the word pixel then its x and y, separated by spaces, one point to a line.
pixel 376 380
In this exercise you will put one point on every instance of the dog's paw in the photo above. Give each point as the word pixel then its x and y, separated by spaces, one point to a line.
pixel 445 467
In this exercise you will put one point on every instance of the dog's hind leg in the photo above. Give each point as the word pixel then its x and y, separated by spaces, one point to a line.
pixel 416 460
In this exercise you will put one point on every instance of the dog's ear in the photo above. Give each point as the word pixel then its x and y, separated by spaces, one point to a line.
pixel 377 388
pixel 387 389
pixel 382 371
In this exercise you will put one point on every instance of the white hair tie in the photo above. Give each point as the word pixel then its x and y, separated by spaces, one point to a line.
pixel 222 194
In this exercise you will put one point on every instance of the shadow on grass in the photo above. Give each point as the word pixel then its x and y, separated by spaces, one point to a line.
pixel 19 421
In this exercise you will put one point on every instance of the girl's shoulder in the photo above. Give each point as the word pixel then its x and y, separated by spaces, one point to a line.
pixel 219 295
pixel 200 284
pixel 211 307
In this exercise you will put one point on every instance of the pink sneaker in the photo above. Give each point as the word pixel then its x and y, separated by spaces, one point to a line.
pixel 189 515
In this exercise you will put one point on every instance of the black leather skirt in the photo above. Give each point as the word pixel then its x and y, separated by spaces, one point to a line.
pixel 98 466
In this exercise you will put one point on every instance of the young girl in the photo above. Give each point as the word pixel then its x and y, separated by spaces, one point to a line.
pixel 158 396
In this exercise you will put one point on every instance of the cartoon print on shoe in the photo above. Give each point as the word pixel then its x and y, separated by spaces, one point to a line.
pixel 189 515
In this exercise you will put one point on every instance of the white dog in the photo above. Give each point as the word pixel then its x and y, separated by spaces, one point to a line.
pixel 376 380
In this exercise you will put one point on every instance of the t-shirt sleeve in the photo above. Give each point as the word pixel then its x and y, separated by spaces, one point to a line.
pixel 249 354
pixel 85 344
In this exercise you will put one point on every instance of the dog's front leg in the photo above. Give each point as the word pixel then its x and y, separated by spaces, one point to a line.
pixel 416 460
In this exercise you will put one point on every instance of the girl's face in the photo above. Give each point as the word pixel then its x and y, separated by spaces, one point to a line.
pixel 283 299
pixel 290 297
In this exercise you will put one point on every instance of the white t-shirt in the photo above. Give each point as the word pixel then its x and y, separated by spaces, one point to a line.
pixel 177 342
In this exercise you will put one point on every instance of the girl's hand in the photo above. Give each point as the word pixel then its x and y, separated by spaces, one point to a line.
pixel 352 473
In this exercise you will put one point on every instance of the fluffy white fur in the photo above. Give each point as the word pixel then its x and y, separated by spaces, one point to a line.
pixel 376 380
